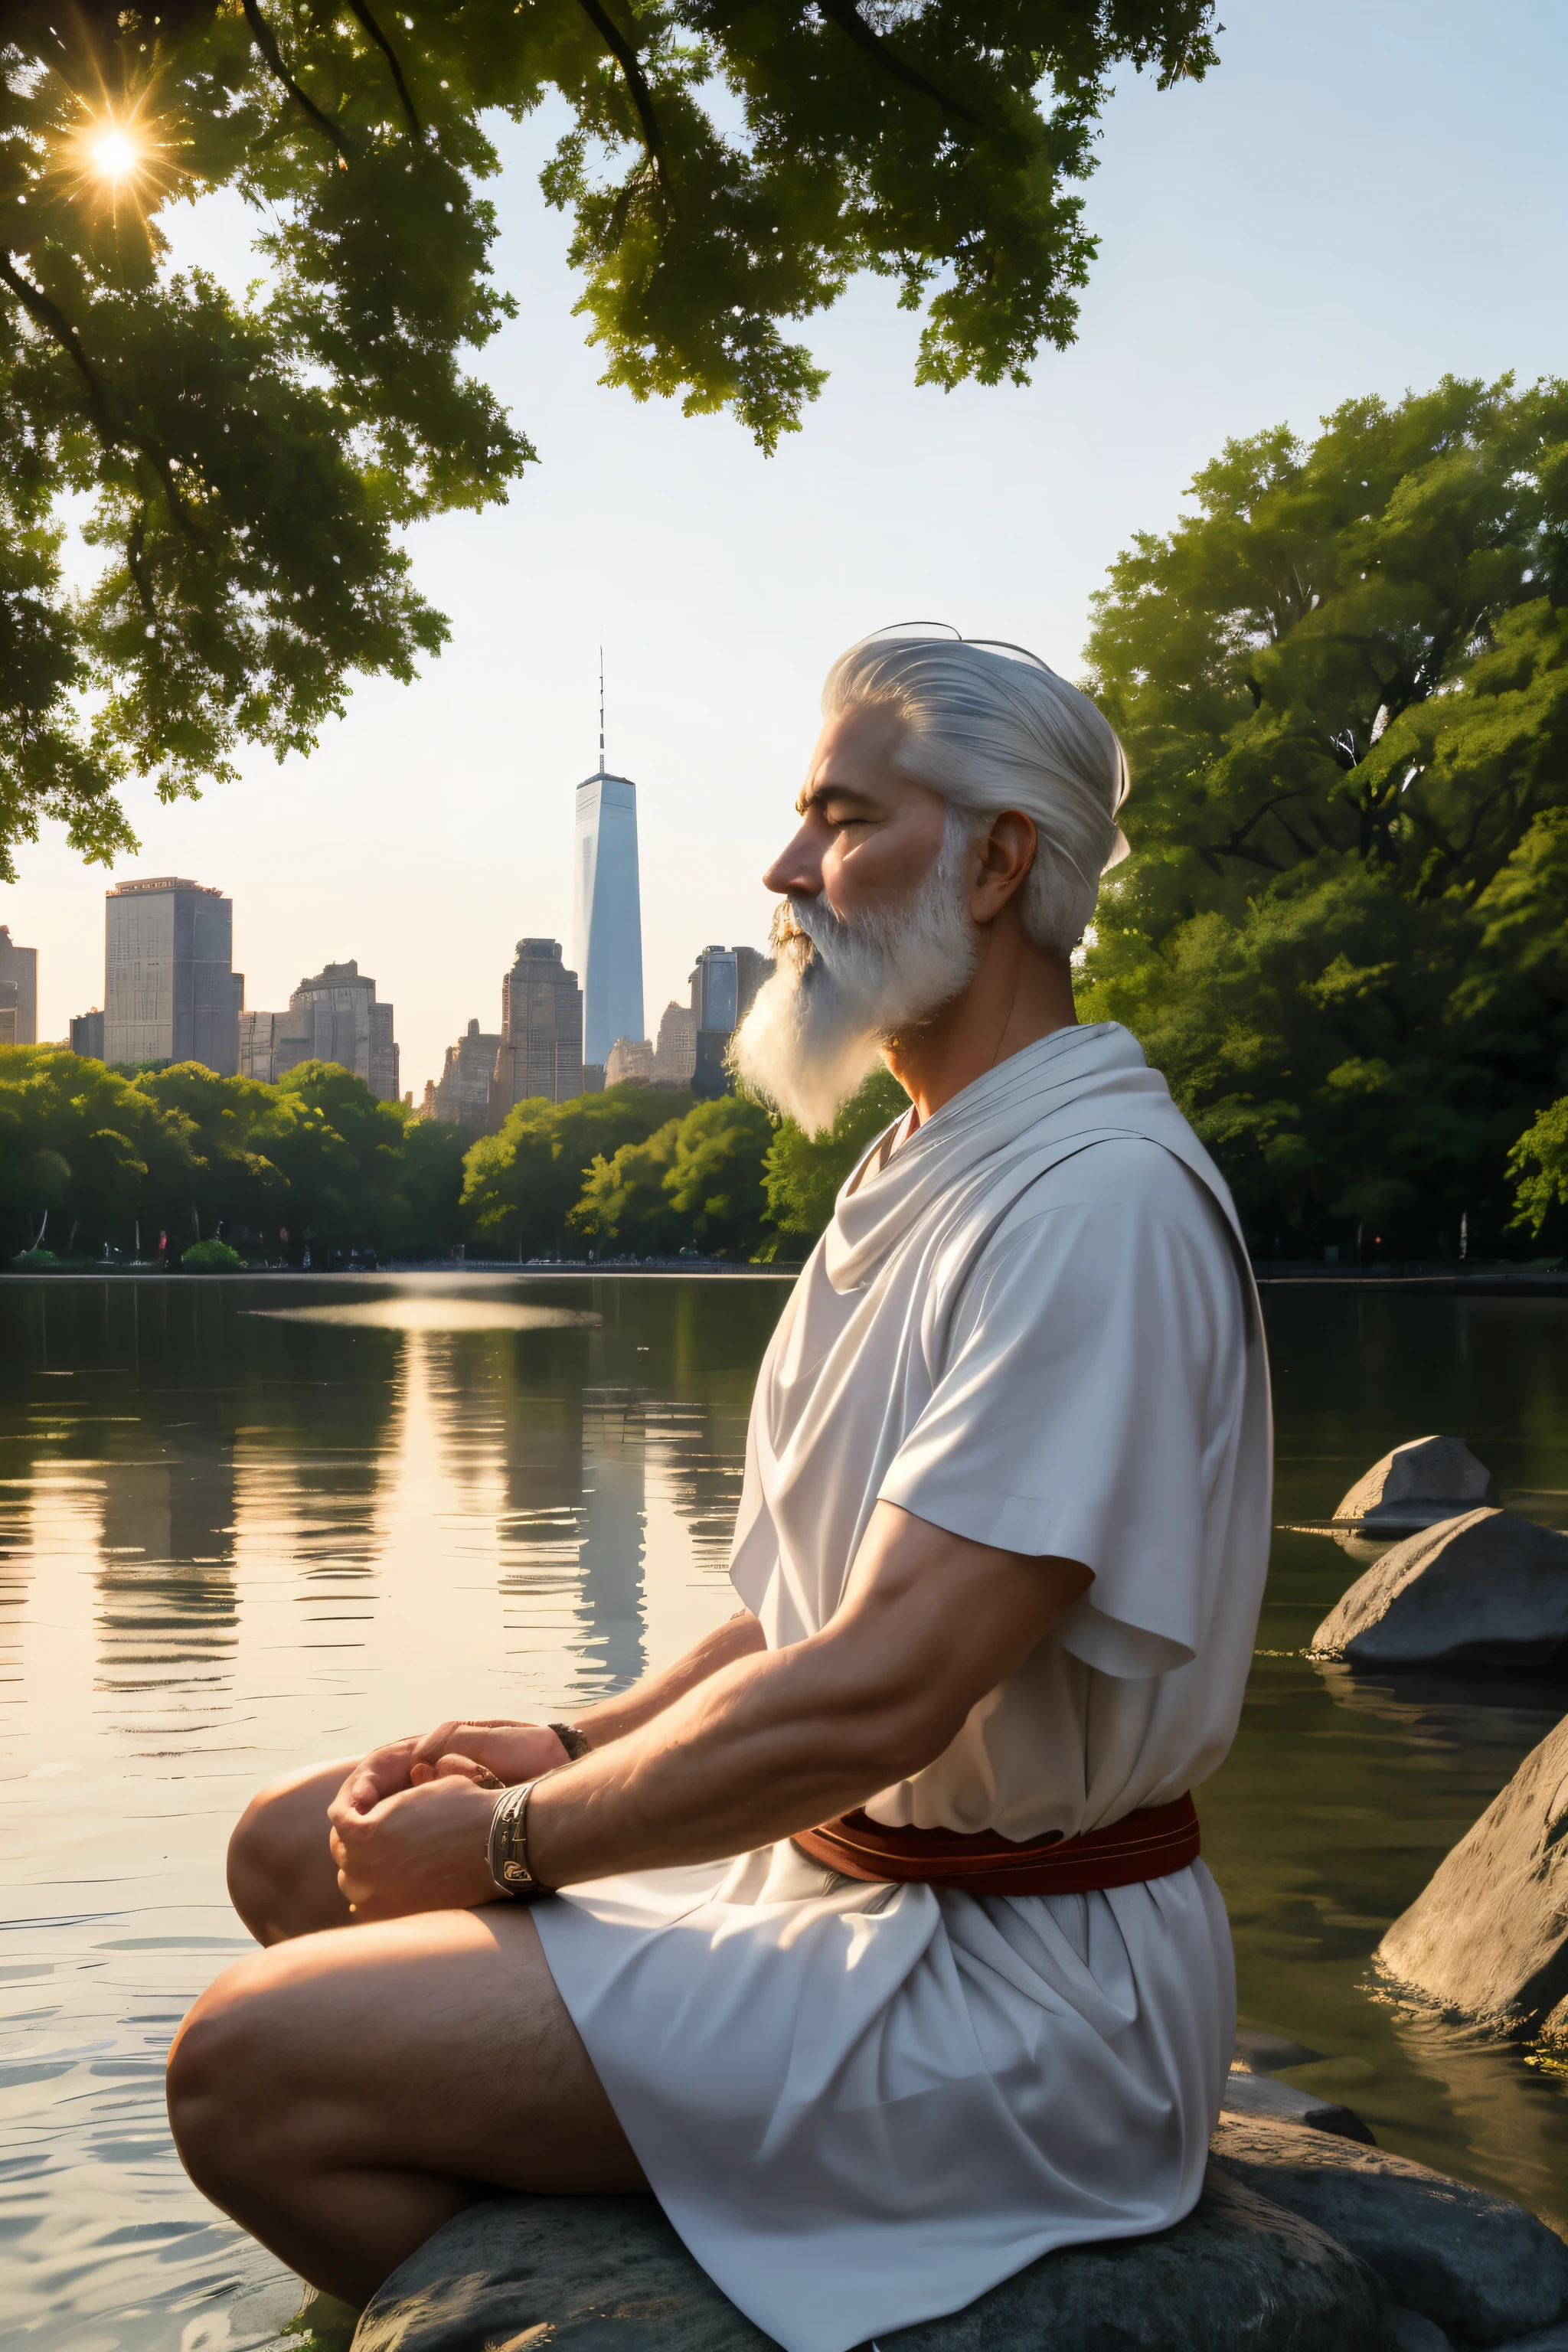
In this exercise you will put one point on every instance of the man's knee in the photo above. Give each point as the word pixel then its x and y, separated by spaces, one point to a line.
pixel 280 1877
pixel 221 2086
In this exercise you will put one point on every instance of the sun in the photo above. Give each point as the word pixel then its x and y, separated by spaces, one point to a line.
pixel 119 158
pixel 116 155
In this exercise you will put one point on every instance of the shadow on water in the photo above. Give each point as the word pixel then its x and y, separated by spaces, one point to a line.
pixel 235 1537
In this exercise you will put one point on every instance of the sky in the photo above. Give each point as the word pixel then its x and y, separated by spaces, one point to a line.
pixel 1365 195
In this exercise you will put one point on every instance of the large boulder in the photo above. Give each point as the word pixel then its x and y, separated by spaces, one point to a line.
pixel 1487 1936
pixel 609 2274
pixel 1424 1480
pixel 1484 2271
pixel 1484 1589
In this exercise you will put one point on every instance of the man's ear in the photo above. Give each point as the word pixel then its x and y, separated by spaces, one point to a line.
pixel 1006 855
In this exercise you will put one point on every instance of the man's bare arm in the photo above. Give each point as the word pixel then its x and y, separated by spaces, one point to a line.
pixel 515 1751
pixel 771 1742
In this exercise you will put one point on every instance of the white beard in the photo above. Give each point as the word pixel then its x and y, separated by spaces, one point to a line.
pixel 844 989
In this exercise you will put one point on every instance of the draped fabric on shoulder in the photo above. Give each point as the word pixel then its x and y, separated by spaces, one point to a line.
pixel 862 2103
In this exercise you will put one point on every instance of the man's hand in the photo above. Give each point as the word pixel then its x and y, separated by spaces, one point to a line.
pixel 421 1849
pixel 510 1751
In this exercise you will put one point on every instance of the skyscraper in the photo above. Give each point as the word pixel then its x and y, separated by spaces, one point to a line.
pixel 541 1048
pixel 333 1016
pixel 606 936
pixel 723 985
pixel 21 966
pixel 170 993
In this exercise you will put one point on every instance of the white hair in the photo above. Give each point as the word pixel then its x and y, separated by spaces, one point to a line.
pixel 991 732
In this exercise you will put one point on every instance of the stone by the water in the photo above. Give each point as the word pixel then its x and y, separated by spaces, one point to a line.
pixel 1424 1480
pixel 1483 1588
pixel 1301 2242
pixel 1488 1935
pixel 1483 2270
pixel 1246 2093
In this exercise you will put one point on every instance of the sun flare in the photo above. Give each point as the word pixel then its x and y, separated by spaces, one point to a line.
pixel 116 155
pixel 119 158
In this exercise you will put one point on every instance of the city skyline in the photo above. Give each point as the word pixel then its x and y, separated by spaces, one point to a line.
pixel 426 833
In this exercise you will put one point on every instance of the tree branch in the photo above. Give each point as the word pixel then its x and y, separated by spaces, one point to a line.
pixel 853 26
pixel 261 33
pixel 362 16
pixel 641 96
pixel 58 327
pixel 111 429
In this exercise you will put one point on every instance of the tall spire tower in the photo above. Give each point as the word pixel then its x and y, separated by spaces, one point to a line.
pixel 608 907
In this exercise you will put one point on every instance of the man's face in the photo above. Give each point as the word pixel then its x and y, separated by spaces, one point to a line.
pixel 874 932
pixel 869 836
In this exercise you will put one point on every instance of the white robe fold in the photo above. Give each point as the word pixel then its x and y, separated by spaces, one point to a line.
pixel 863 2106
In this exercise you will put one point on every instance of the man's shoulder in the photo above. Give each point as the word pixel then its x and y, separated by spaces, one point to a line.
pixel 1121 1179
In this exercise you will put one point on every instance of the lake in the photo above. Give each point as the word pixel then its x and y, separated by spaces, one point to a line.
pixel 246 1524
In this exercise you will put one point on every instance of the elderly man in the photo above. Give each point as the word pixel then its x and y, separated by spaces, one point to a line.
pixel 873 1939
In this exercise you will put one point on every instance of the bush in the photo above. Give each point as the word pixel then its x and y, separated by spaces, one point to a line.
pixel 35 1261
pixel 212 1257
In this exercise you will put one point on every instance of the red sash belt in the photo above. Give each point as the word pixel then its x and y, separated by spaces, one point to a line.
pixel 1154 1842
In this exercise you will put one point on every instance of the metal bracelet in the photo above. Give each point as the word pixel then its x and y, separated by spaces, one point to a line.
pixel 506 1849
pixel 576 1743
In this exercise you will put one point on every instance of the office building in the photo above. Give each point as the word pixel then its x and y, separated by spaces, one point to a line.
pixel 541 1048
pixel 674 1056
pixel 333 1016
pixel 607 912
pixel 630 1062
pixel 20 967
pixel 260 1036
pixel 87 1034
pixel 462 1093
pixel 10 1013
pixel 169 991
pixel 723 985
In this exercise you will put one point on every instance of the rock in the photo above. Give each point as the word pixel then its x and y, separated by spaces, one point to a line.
pixel 1479 2268
pixel 1247 2094
pixel 1483 1588
pixel 1268 2053
pixel 1410 2333
pixel 1240 2271
pixel 582 2271
pixel 608 2274
pixel 1424 1480
pixel 1295 2244
pixel 1488 1935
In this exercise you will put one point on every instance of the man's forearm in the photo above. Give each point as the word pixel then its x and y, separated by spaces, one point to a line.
pixel 613 1718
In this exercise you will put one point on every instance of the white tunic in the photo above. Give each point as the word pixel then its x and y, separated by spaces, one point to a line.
pixel 861 2106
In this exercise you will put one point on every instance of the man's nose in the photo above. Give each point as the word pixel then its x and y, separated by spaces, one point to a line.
pixel 796 872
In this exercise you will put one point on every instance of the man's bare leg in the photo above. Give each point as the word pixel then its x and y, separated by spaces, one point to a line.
pixel 341 2096
pixel 282 1880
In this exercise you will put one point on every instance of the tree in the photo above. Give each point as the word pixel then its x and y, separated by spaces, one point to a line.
pixel 801 1174
pixel 1343 688
pixel 697 1181
pixel 249 465
pixel 78 1144
pixel 715 1178
pixel 523 1181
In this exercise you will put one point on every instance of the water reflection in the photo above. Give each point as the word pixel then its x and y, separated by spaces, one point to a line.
pixel 238 1532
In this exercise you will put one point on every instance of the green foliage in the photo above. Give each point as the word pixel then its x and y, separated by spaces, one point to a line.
pixel 801 1174
pixel 697 1182
pixel 181 1149
pixel 248 465
pixel 523 1181
pixel 212 1257
pixel 1539 1165
pixel 1343 687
